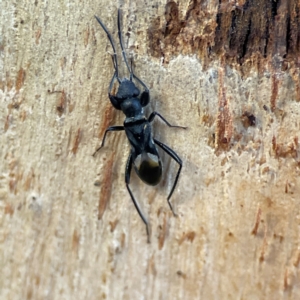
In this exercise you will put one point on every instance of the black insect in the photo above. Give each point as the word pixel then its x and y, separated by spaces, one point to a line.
pixel 144 155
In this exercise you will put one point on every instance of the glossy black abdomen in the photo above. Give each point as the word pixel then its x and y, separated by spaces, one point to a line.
pixel 146 160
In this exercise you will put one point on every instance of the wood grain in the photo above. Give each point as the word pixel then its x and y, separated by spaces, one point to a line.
pixel 229 71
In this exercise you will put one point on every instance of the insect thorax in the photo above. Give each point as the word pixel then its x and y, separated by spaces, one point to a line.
pixel 132 108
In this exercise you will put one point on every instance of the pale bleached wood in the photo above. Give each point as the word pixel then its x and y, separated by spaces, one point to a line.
pixel 237 234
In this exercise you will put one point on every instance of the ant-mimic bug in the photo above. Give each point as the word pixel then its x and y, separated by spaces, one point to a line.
pixel 143 155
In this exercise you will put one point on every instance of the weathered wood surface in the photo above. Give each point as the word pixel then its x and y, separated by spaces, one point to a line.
pixel 230 72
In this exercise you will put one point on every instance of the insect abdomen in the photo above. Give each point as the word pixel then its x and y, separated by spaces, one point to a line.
pixel 148 167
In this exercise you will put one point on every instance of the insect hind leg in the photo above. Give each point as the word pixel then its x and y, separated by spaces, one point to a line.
pixel 174 155
pixel 127 181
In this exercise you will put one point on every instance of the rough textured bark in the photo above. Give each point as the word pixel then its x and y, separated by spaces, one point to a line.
pixel 228 70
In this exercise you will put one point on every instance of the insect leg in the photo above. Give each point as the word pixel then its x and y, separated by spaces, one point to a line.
pixel 112 82
pixel 114 101
pixel 145 96
pixel 131 69
pixel 127 181
pixel 153 114
pixel 142 83
pixel 112 128
pixel 174 155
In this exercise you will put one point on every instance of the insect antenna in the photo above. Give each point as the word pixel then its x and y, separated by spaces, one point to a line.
pixel 114 57
pixel 124 55
pixel 121 42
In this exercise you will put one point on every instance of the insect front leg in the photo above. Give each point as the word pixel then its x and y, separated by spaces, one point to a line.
pixel 127 181
pixel 154 114
pixel 145 98
pixel 174 155
pixel 112 128
pixel 113 100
